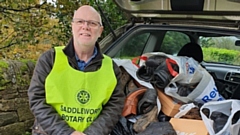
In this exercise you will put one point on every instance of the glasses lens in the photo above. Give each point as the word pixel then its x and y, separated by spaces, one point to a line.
pixel 79 22
pixel 89 23
pixel 93 23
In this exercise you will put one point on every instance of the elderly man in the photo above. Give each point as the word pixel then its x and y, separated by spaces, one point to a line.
pixel 76 90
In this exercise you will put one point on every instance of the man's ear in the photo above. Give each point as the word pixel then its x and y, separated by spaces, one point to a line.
pixel 100 32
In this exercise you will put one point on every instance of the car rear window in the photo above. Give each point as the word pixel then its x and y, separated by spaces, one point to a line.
pixel 173 41
pixel 134 47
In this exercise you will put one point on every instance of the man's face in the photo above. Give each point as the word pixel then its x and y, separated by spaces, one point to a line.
pixel 86 26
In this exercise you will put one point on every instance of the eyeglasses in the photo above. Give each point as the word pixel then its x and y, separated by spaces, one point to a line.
pixel 90 23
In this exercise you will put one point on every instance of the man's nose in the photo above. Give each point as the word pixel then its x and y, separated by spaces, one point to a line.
pixel 85 23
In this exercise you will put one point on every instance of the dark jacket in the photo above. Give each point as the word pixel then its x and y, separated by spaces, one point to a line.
pixel 47 120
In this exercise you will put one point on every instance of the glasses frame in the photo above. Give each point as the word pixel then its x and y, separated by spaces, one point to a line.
pixel 90 23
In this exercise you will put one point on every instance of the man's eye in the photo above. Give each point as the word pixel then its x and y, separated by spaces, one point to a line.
pixel 80 22
pixel 93 23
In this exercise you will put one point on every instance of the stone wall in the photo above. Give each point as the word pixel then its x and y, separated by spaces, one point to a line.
pixel 15 115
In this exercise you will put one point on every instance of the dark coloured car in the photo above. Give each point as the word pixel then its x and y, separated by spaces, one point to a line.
pixel 206 30
pixel 167 25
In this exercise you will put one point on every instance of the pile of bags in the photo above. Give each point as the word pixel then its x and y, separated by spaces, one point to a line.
pixel 182 90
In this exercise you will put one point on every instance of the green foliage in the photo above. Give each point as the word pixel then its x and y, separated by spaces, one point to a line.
pixel 3 67
pixel 27 133
pixel 206 42
pixel 134 46
pixel 3 64
pixel 21 22
pixel 225 42
pixel 113 14
pixel 221 55
pixel 173 42
pixel 24 52
pixel 24 23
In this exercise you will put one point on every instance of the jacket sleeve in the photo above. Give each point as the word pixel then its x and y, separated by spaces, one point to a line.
pixel 111 112
pixel 45 115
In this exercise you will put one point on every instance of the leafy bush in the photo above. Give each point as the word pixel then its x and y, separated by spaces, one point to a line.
pixel 221 55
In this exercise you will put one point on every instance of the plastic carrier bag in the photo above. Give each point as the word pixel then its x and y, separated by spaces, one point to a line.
pixel 204 92
pixel 222 117
pixel 190 73
pixel 188 67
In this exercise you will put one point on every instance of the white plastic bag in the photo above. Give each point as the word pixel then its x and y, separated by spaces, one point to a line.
pixel 193 73
pixel 131 69
pixel 204 92
pixel 228 107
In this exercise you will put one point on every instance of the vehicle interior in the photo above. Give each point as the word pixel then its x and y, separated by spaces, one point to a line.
pixel 206 30
pixel 167 25
pixel 171 38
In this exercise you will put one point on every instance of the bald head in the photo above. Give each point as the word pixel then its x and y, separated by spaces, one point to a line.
pixel 86 28
pixel 87 10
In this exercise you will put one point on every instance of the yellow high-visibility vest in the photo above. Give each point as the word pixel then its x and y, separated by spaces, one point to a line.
pixel 78 96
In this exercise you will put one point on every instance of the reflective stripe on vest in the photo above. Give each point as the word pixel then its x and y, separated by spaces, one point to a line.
pixel 78 96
